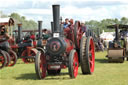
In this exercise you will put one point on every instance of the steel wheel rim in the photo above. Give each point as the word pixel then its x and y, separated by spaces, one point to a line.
pixel 75 64
pixel 91 56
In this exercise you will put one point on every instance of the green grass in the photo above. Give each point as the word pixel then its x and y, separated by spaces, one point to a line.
pixel 105 74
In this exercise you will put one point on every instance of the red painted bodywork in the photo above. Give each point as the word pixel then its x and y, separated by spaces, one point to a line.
pixel 69 45
pixel 68 32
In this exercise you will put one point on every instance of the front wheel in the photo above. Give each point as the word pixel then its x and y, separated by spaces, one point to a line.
pixel 40 65
pixel 73 64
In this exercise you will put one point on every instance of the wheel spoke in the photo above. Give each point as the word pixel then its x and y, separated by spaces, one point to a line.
pixel 91 62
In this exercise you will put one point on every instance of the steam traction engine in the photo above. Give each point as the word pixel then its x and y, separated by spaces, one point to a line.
pixel 7 56
pixel 25 47
pixel 118 48
pixel 62 52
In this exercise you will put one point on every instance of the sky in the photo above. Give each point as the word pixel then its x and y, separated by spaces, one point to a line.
pixel 83 10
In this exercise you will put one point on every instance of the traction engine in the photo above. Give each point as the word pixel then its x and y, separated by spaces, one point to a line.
pixel 62 51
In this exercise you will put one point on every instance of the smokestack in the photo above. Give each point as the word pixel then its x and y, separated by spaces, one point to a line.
pixel 40 29
pixel 19 32
pixel 52 27
pixel 39 43
pixel 56 16
pixel 117 32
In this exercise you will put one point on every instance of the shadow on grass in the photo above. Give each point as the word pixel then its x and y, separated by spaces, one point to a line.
pixel 28 76
pixel 32 76
pixel 101 60
pixel 61 76
pixel 57 78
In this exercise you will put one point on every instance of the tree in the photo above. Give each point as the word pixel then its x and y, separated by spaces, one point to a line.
pixel 26 24
pixel 124 20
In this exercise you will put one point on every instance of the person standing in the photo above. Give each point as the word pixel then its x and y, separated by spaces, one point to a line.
pixel 4 37
pixel 66 23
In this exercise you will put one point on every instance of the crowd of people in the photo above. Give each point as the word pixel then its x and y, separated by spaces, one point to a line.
pixel 70 22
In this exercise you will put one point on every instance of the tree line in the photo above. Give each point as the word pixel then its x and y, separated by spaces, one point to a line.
pixel 102 25
pixel 92 24
pixel 26 24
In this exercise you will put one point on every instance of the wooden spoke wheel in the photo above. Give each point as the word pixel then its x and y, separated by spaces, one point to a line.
pixel 73 64
pixel 87 55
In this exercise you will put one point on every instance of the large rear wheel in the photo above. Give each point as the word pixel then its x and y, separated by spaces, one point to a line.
pixel 40 65
pixel 87 55
pixel 77 34
pixel 73 64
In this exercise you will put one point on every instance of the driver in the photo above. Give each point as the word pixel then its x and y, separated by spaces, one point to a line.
pixel 4 45
pixel 66 23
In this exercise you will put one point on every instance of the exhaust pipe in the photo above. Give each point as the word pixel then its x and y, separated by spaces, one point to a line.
pixel 39 43
pixel 40 29
pixel 19 32
pixel 52 27
pixel 56 16
pixel 117 33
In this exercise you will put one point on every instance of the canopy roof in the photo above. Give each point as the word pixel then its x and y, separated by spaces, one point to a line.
pixel 6 21
pixel 119 26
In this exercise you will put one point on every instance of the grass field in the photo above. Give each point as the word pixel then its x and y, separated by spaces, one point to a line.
pixel 105 74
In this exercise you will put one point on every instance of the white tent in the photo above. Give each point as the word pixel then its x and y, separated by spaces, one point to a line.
pixel 107 36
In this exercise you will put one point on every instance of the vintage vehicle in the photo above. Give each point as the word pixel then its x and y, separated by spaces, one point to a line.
pixel 7 56
pixel 65 48
pixel 25 47
pixel 118 49
pixel 45 34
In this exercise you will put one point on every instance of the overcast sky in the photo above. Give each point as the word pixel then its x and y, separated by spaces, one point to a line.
pixel 83 10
